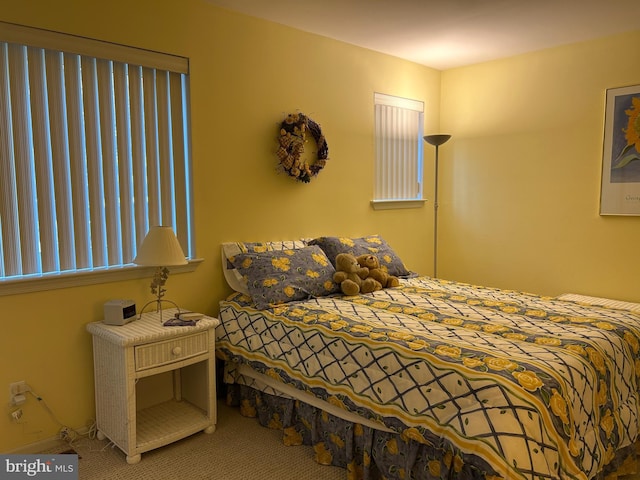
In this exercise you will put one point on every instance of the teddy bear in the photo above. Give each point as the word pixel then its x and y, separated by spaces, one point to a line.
pixel 376 272
pixel 351 277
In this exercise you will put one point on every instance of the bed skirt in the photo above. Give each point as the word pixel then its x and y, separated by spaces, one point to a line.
pixel 367 453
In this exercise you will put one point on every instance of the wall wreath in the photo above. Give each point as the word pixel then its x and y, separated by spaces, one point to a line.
pixel 292 138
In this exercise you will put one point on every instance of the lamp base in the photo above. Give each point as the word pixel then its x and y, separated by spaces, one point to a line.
pixel 158 303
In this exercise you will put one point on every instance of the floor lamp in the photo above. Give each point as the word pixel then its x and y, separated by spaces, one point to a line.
pixel 436 141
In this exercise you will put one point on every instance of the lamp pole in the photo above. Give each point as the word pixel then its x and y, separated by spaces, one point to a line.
pixel 436 140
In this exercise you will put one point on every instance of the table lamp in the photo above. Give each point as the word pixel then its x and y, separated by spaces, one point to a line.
pixel 160 248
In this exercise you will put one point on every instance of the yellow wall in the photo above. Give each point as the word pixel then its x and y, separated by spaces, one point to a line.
pixel 521 176
pixel 246 75
pixel 519 185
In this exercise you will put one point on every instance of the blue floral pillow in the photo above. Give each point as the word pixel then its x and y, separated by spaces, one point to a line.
pixel 231 249
pixel 277 277
pixel 371 245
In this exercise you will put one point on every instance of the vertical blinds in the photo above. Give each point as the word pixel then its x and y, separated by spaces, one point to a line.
pixel 93 152
pixel 398 127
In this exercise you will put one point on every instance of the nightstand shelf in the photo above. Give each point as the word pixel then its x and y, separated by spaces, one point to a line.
pixel 126 356
pixel 167 422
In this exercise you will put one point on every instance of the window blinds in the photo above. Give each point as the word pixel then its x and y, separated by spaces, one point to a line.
pixel 399 151
pixel 93 152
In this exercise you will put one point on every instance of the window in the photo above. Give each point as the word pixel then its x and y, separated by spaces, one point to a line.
pixel 399 152
pixel 94 149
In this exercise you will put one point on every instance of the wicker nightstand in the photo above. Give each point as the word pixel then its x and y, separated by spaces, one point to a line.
pixel 126 356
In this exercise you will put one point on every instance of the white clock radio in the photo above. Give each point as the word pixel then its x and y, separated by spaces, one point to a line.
pixel 119 312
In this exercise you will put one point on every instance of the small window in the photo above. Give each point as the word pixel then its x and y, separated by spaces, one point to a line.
pixel 94 142
pixel 399 152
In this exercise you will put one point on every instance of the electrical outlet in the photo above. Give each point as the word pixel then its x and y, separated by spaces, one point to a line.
pixel 18 388
pixel 17 391
pixel 16 414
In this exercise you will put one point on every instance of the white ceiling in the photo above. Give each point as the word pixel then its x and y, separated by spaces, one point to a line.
pixel 449 33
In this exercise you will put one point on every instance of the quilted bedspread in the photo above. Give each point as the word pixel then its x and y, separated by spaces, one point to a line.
pixel 536 387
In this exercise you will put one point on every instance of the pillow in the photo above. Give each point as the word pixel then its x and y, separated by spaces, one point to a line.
pixel 372 244
pixel 230 249
pixel 274 277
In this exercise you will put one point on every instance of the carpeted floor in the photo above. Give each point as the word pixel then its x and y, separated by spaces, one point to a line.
pixel 239 449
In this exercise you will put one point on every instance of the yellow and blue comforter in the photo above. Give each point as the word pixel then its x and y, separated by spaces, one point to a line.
pixel 533 386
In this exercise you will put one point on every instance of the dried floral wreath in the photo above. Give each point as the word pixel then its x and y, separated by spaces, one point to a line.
pixel 292 138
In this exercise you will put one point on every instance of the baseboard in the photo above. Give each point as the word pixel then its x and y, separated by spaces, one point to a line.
pixel 47 445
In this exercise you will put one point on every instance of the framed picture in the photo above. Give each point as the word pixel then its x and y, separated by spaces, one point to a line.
pixel 620 191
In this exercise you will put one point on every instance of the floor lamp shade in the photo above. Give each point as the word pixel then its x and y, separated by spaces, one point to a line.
pixel 436 140
pixel 160 248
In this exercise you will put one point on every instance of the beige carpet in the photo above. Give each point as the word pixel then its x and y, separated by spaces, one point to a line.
pixel 239 449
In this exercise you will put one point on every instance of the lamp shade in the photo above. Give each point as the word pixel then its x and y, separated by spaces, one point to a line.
pixel 160 248
pixel 437 139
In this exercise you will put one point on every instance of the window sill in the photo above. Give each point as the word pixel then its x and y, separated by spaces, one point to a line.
pixel 392 204
pixel 90 277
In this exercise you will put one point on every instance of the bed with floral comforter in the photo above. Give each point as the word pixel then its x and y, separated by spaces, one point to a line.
pixel 450 380
pixel 431 379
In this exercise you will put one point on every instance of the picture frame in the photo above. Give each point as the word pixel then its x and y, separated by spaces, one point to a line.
pixel 620 189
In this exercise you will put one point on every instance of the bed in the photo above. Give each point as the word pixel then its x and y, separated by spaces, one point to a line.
pixel 431 379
